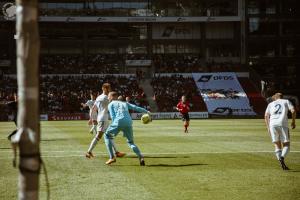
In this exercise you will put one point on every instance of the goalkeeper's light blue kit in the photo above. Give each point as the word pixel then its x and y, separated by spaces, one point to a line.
pixel 121 121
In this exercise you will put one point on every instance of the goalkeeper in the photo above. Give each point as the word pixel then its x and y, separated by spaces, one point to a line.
pixel 121 121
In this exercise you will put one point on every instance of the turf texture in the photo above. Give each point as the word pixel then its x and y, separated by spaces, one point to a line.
pixel 217 160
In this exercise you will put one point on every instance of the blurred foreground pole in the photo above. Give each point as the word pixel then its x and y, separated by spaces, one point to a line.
pixel 28 136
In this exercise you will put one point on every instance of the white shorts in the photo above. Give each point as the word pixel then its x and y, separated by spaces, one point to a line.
pixel 102 126
pixel 94 116
pixel 280 133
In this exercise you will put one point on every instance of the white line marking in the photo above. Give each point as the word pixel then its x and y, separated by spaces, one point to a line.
pixel 146 154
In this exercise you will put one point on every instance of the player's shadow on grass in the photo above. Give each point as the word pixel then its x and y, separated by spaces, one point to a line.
pixel 173 165
pixel 5 147
pixel 159 156
pixel 53 140
pixel 166 156
pixel 293 171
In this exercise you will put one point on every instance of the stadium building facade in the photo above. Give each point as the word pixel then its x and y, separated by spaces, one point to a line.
pixel 138 27
pixel 260 37
pixel 273 42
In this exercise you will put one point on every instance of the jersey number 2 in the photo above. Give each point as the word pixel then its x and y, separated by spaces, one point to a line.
pixel 278 110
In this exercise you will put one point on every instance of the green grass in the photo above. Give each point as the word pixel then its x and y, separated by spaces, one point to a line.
pixel 218 159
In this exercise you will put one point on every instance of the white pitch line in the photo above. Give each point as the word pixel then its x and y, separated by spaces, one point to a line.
pixel 150 154
pixel 171 153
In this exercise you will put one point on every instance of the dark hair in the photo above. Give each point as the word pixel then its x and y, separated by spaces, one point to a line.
pixel 105 86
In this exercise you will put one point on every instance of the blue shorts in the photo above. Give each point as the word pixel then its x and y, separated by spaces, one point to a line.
pixel 113 131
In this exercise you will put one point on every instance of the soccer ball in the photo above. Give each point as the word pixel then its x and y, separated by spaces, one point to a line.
pixel 146 118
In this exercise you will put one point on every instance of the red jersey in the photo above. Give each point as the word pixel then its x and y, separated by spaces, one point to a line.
pixel 183 108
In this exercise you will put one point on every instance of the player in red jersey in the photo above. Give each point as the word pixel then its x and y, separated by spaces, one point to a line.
pixel 184 107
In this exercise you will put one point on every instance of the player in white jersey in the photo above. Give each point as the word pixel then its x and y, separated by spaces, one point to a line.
pixel 90 104
pixel 101 108
pixel 276 118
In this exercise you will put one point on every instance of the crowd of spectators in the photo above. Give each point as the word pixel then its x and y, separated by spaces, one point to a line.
pixel 3 55
pixel 141 8
pixel 92 64
pixel 169 89
pixel 165 63
pixel 116 63
pixel 278 78
pixel 84 12
pixel 7 89
pixel 7 92
pixel 64 94
pixel 76 64
pixel 174 63
pixel 213 66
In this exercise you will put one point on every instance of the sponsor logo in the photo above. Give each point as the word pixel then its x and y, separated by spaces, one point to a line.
pixel 230 111
pixel 67 117
pixel 141 19
pixel 171 115
pixel 224 78
pixel 100 19
pixel 205 78
pixel 9 11
pixel 180 19
pixel 223 111
pixel 70 19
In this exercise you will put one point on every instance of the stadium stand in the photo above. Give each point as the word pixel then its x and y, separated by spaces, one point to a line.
pixel 64 64
pixel 188 63
pixel 178 63
pixel 169 89
pixel 65 93
pixel 115 63
pixel 257 101
pixel 72 44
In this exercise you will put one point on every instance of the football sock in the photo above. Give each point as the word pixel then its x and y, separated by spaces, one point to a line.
pixel 109 146
pixel 12 134
pixel 278 153
pixel 136 150
pixel 285 151
pixel 92 129
pixel 93 144
pixel 95 128
pixel 114 145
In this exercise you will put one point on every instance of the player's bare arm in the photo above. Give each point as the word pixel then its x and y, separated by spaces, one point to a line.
pixel 94 111
pixel 294 115
pixel 267 121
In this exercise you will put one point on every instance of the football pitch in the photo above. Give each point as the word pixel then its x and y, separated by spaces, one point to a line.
pixel 218 159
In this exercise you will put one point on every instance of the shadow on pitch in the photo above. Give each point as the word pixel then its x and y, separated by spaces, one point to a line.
pixel 160 156
pixel 173 165
pixel 5 147
pixel 293 171
pixel 166 157
pixel 53 140
pixel 165 165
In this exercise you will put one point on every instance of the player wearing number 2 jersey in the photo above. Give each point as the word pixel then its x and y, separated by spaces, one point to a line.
pixel 276 118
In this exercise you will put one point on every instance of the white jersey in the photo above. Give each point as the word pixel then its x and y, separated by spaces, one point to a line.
pixel 102 105
pixel 90 104
pixel 278 111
